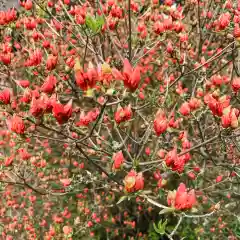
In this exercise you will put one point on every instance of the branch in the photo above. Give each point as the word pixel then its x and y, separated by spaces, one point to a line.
pixel 97 166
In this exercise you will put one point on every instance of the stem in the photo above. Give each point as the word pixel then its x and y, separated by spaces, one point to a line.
pixel 177 226
pixel 85 52
pixel 130 32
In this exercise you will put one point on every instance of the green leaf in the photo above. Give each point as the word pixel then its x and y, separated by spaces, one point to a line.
pixel 160 229
pixel 94 24
pixel 99 23
pixel 122 199
pixel 155 227
pixel 167 210
pixel 90 23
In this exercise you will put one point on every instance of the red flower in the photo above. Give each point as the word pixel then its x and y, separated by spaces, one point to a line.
pixel 194 103
pixel 181 199
pixel 27 96
pixel 118 159
pixel 6 58
pixel 133 181
pixel 65 182
pixel 38 106
pixel 5 96
pixel 34 59
pixel 160 123
pixel 24 154
pixel 67 230
pixel 87 79
pixel 130 76
pixel 123 114
pixel 17 125
pixel 219 179
pixel 217 106
pixel 185 109
pixel 51 62
pixel 28 5
pixel 8 161
pixel 236 84
pixel 62 113
pixel 224 20
pixel 158 27
pixel 49 84
pixel 23 83
pixel 175 162
pixel 89 117
pixel 226 120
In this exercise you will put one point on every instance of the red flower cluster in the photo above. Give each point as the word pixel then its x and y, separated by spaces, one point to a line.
pixel 17 125
pixel 62 113
pixel 223 21
pixel 87 79
pixel 217 104
pixel 34 59
pixel 181 199
pixel 123 114
pixel 42 104
pixel 230 117
pixel 85 119
pixel 8 16
pixel 176 162
pixel 130 76
pixel 37 107
pixel 133 181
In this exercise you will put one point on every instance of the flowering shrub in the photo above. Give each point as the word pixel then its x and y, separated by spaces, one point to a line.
pixel 120 120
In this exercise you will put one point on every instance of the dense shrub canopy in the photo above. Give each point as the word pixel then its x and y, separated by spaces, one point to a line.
pixel 120 119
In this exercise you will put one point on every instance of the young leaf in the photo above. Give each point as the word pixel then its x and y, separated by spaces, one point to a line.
pixel 121 199
pixel 166 210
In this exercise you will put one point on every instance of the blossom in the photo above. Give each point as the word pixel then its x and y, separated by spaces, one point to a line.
pixel 86 79
pixel 66 182
pixel 67 230
pixel 62 113
pixel 23 83
pixel 86 119
pixel 176 162
pixel 118 160
pixel 236 84
pixel 17 125
pixel 49 84
pixel 5 96
pixel 51 62
pixel 185 109
pixel 217 105
pixel 8 161
pixel 230 118
pixel 160 123
pixel 133 181
pixel 37 106
pixel 130 76
pixel 28 5
pixel 182 199
pixel 219 178
pixel 123 114
pixel 6 58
